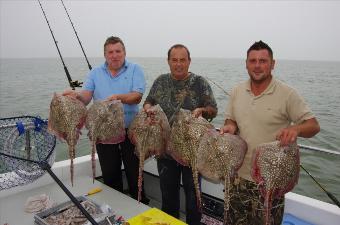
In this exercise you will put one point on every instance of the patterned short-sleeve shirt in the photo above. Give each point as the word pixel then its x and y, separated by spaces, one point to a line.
pixel 172 94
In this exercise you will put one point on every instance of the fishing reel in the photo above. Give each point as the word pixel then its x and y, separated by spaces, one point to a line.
pixel 75 84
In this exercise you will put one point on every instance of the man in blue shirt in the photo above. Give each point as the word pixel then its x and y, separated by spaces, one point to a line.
pixel 116 79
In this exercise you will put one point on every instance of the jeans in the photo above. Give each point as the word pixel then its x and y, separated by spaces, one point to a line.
pixel 111 157
pixel 170 177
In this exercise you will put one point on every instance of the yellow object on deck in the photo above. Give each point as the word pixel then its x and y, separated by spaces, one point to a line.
pixel 94 191
pixel 154 216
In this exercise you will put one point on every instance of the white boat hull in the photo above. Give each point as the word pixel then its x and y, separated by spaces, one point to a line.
pixel 311 210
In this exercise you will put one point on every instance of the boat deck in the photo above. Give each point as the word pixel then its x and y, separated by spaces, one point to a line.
pixel 12 206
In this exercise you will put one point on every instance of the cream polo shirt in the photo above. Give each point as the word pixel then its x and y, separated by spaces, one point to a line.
pixel 260 117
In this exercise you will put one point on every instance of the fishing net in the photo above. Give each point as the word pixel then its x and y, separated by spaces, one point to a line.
pixel 26 152
pixel 25 147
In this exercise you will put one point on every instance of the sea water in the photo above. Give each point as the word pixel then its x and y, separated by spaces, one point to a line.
pixel 27 87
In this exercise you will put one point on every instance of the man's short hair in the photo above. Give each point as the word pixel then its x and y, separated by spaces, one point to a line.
pixel 259 45
pixel 178 46
pixel 113 40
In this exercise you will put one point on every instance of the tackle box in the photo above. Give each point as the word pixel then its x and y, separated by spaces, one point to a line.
pixel 39 217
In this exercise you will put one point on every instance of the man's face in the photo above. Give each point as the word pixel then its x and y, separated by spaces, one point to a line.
pixel 115 56
pixel 259 65
pixel 179 63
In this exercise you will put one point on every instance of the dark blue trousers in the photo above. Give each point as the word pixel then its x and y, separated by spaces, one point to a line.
pixel 111 157
pixel 170 178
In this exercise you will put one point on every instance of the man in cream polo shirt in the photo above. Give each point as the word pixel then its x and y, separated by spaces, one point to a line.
pixel 262 110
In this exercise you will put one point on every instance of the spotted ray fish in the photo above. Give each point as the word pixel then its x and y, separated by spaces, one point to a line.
pixel 276 170
pixel 105 123
pixel 219 157
pixel 150 136
pixel 185 136
pixel 67 117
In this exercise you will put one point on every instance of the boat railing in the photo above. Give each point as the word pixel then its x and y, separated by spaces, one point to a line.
pixel 323 150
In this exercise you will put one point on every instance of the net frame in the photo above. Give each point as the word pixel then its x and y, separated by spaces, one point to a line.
pixel 24 145
pixel 23 170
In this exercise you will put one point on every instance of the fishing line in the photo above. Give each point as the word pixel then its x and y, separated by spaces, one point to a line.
pixel 330 195
pixel 217 85
pixel 81 46
pixel 73 84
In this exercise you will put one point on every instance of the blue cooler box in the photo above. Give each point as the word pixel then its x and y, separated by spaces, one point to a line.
pixel 289 219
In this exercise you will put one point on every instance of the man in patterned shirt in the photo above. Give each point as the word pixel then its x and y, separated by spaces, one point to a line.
pixel 172 91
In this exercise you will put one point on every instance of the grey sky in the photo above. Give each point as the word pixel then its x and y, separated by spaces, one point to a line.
pixel 304 30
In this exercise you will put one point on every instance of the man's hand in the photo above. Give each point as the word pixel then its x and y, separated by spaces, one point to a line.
pixel 112 97
pixel 148 109
pixel 146 106
pixel 71 93
pixel 287 136
pixel 198 112
pixel 228 129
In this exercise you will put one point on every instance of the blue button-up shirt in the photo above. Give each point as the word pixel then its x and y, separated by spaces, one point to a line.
pixel 129 79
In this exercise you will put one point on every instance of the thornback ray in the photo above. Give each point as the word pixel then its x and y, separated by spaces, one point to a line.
pixel 275 169
pixel 219 157
pixel 67 116
pixel 186 133
pixel 105 123
pixel 149 132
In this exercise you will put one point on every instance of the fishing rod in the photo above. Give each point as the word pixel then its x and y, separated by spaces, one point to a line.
pixel 73 84
pixel 330 195
pixel 81 46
